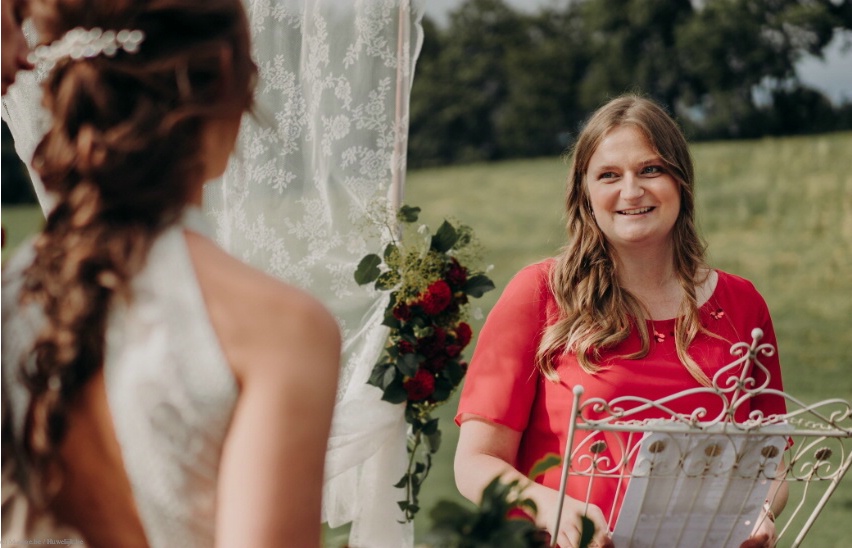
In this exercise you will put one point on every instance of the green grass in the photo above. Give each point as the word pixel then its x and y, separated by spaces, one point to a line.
pixel 776 211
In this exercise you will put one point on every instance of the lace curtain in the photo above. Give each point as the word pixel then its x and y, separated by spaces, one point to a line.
pixel 318 170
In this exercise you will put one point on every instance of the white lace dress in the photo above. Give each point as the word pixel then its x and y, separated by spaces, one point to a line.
pixel 169 387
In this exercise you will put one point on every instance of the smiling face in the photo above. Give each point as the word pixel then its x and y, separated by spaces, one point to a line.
pixel 634 197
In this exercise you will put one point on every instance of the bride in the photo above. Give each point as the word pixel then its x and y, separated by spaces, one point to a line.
pixel 194 391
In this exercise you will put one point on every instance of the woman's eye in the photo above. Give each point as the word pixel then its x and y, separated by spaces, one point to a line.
pixel 607 175
pixel 652 170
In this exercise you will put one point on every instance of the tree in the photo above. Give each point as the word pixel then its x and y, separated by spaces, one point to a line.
pixel 458 92
pixel 633 44
pixel 729 48
pixel 542 109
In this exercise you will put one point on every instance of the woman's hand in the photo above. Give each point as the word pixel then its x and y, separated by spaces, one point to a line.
pixel 764 534
pixel 570 531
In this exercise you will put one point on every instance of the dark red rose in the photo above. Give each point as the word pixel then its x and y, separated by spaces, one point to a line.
pixel 436 298
pixel 463 334
pixel 420 386
pixel 402 312
pixel 432 345
pixel 405 347
pixel 456 274
pixel 453 350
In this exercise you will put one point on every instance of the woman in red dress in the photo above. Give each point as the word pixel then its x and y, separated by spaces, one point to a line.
pixel 629 307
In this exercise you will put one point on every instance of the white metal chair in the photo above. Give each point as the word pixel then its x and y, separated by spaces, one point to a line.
pixel 696 481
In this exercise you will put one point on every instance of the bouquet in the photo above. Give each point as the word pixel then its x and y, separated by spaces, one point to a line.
pixel 431 282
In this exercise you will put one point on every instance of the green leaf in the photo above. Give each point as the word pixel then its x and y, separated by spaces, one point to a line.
pixel 395 392
pixel 454 372
pixel 390 320
pixel 434 441
pixel 443 389
pixel 587 533
pixel 388 377
pixel 386 280
pixel 378 374
pixel 408 364
pixel 408 214
pixel 430 427
pixel 451 515
pixel 402 482
pixel 545 463
pixel 445 238
pixel 389 250
pixel 478 285
pixel 368 269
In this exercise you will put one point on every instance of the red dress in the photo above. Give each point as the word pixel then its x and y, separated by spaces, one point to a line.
pixel 503 385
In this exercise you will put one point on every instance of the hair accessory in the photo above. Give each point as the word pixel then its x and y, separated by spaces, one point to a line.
pixel 80 43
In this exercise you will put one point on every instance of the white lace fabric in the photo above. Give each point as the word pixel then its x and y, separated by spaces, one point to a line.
pixel 326 147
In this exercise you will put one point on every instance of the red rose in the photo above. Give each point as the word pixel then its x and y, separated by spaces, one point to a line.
pixel 463 334
pixel 456 274
pixel 402 312
pixel 420 386
pixel 437 298
pixel 453 350
pixel 405 347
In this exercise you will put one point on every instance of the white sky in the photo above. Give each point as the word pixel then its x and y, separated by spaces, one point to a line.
pixel 833 76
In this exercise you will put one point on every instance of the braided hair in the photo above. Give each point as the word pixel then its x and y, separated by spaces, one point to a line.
pixel 122 157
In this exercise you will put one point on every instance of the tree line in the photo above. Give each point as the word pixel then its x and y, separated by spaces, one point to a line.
pixel 498 83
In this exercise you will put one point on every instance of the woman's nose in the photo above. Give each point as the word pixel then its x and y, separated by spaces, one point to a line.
pixel 632 188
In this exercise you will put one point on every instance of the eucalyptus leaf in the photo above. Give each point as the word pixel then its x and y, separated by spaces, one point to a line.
pixel 368 269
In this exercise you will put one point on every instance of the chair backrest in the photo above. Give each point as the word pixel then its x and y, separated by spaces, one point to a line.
pixel 698 480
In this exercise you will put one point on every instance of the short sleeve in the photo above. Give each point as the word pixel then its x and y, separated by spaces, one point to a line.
pixel 502 379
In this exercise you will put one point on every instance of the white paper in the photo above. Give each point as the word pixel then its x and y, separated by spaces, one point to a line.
pixel 698 489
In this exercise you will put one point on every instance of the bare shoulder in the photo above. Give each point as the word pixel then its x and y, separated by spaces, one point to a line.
pixel 265 326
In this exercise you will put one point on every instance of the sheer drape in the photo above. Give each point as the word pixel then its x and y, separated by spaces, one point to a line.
pixel 324 152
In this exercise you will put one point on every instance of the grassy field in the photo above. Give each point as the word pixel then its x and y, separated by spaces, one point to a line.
pixel 776 211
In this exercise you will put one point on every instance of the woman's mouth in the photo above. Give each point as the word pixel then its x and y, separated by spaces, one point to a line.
pixel 637 211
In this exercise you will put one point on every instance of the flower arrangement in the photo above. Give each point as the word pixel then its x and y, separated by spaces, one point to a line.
pixel 431 282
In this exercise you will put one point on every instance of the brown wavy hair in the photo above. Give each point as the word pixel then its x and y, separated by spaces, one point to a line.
pixel 122 157
pixel 595 312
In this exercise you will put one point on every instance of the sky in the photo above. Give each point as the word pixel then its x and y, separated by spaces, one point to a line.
pixel 832 76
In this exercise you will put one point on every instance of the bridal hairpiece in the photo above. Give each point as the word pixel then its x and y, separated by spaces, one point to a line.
pixel 80 43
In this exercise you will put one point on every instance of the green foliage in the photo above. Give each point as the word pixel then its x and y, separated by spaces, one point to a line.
pixel 421 365
pixel 458 526
pixel 544 464
pixel 500 83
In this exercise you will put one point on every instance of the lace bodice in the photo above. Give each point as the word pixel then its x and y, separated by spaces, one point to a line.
pixel 170 391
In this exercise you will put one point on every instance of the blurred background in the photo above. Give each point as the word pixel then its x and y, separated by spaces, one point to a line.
pixel 763 89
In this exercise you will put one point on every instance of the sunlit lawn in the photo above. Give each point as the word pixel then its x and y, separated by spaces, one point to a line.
pixel 776 211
